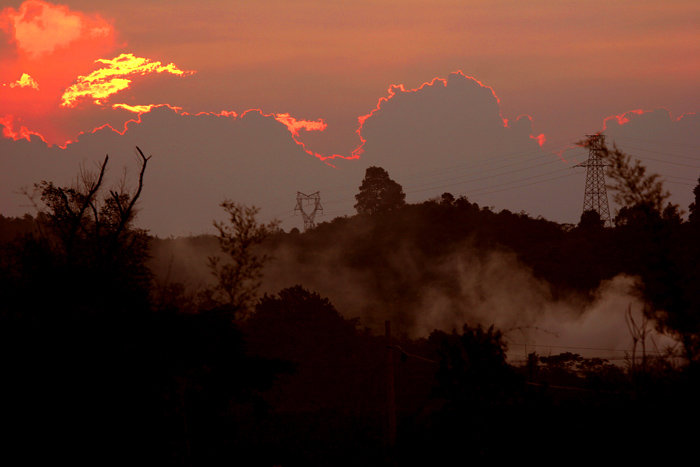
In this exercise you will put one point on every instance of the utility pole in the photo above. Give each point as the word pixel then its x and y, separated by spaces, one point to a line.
pixel 390 396
pixel 596 195
pixel 306 200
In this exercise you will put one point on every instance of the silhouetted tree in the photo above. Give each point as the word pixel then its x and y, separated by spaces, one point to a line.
pixel 69 289
pixel 86 252
pixel 654 245
pixel 473 369
pixel 694 208
pixel 379 193
pixel 637 216
pixel 76 214
pixel 447 199
pixel 332 390
pixel 90 371
pixel 300 326
pixel 632 184
pixel 591 220
pixel 14 227
pixel 480 394
pixel 239 276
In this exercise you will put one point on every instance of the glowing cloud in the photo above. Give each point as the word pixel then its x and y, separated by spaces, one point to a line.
pixel 102 83
pixel 41 27
pixel 294 125
pixel 541 139
pixel 622 118
pixel 137 109
pixel 46 46
pixel 25 81
pixel 9 131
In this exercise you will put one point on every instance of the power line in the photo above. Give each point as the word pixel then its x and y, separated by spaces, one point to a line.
pixel 521 186
pixel 449 176
pixel 665 143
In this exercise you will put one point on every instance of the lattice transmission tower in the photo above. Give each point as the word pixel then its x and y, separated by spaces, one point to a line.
pixel 596 195
pixel 308 200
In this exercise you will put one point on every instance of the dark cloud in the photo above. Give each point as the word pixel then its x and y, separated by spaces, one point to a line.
pixel 666 145
pixel 437 120
pixel 198 161
pixel 447 136
pixel 54 45
pixel 450 135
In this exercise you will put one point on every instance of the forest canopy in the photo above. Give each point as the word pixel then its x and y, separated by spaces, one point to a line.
pixel 284 355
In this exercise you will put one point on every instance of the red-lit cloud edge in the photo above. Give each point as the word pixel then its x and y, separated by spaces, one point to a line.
pixel 392 92
pixel 8 131
pixel 624 119
pixel 294 126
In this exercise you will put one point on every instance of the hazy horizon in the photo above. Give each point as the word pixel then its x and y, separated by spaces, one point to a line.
pixel 256 102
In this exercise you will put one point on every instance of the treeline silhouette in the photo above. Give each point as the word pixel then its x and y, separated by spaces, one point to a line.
pixel 108 359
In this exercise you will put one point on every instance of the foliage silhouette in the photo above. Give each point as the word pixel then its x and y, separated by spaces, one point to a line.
pixel 12 228
pixel 86 252
pixel 694 208
pixel 306 329
pixel 178 382
pixel 652 243
pixel 632 185
pixel 473 370
pixel 333 387
pixel 93 372
pixel 239 277
pixel 591 220
pixel 379 193
pixel 480 396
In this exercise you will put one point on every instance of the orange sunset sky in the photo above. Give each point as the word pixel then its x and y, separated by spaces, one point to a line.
pixel 258 100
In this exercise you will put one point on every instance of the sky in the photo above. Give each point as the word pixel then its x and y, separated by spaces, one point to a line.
pixel 257 101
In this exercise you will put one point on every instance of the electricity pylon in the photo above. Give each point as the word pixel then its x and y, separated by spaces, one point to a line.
pixel 306 200
pixel 596 195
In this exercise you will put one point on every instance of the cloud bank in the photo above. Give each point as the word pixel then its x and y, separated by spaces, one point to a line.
pixel 446 136
pixel 199 160
pixel 56 60
pixel 450 134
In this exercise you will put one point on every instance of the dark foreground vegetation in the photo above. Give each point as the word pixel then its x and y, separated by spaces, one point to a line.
pixel 105 361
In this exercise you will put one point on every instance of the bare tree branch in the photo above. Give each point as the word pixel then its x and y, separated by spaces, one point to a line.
pixel 78 217
pixel 126 214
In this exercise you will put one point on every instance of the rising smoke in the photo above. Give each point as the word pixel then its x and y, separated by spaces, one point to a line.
pixel 419 292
